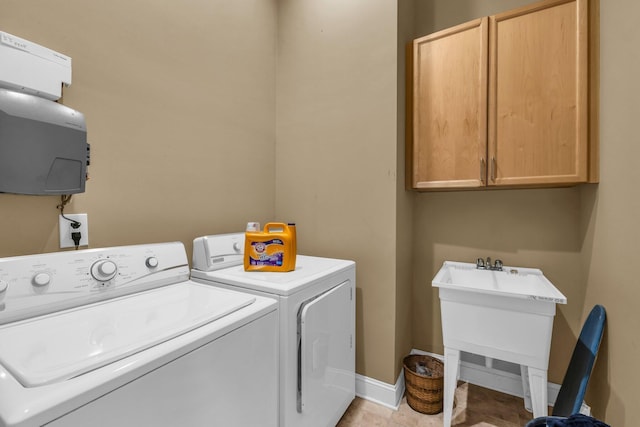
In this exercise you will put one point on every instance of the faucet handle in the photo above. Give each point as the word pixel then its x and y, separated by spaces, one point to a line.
pixel 480 264
pixel 498 265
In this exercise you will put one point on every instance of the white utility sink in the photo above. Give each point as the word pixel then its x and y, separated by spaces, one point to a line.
pixel 506 315
pixel 514 282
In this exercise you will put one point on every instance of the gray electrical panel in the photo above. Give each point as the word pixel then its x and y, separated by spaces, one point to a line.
pixel 43 146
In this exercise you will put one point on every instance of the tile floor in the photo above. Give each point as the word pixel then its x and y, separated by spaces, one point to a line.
pixel 475 407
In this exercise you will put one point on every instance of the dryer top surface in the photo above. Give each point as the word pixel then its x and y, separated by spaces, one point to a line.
pixel 309 271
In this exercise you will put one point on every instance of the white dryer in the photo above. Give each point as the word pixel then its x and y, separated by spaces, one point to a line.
pixel 121 337
pixel 317 325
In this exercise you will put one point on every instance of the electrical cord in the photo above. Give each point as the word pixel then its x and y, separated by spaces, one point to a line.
pixel 75 235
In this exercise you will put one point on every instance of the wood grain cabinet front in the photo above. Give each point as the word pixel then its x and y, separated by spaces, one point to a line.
pixel 508 100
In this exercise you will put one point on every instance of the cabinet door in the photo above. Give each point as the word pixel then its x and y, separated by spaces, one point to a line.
pixel 449 108
pixel 538 94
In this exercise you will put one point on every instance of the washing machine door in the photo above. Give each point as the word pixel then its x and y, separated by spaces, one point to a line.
pixel 326 356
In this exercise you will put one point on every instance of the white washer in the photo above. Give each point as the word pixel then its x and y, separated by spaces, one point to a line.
pixel 121 337
pixel 317 325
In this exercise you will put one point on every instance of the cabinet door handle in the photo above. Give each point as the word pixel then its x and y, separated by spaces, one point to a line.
pixel 493 169
pixel 483 171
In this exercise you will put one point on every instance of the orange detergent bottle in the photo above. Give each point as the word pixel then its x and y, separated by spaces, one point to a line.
pixel 273 249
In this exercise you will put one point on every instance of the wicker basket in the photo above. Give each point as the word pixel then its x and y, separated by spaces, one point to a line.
pixel 424 391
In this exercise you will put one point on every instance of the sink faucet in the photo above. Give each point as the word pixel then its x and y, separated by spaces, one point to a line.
pixel 486 265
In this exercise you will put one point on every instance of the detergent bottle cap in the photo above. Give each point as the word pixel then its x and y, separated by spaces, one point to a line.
pixel 253 226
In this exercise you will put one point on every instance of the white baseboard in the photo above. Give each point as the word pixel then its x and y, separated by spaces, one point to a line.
pixel 384 394
pixel 390 395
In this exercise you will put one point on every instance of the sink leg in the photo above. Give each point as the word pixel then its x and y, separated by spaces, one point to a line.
pixel 526 389
pixel 538 387
pixel 451 371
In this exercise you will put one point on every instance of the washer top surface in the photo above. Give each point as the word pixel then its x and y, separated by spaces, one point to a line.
pixel 62 345
pixel 309 271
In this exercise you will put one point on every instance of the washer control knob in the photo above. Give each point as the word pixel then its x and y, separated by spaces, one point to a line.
pixel 104 270
pixel 3 289
pixel 41 279
pixel 236 247
pixel 151 262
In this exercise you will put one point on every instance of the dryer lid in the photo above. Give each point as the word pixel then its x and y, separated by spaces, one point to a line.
pixel 66 344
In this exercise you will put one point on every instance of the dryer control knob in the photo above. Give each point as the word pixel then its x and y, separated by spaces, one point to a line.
pixel 104 270
pixel 41 279
pixel 151 262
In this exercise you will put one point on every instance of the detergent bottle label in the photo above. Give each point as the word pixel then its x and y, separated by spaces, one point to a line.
pixel 269 253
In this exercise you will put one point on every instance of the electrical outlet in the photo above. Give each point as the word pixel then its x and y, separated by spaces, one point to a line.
pixel 65 230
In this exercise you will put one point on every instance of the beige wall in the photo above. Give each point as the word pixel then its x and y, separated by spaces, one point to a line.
pixel 181 115
pixel 528 228
pixel 404 199
pixel 583 238
pixel 179 99
pixel 336 152
pixel 533 228
pixel 611 219
pixel 181 110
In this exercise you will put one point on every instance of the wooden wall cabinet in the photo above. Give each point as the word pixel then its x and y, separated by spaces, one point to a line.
pixel 508 100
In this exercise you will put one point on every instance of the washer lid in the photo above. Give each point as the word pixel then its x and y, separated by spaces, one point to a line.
pixel 66 344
